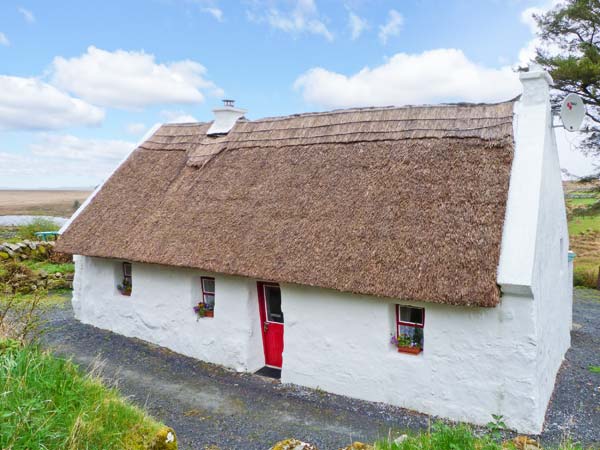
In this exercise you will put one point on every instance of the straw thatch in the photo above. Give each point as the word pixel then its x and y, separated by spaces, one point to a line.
pixel 398 202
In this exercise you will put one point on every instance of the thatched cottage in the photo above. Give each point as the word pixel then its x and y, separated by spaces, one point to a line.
pixel 415 256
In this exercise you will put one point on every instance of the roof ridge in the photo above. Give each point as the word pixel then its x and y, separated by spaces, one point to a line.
pixel 377 108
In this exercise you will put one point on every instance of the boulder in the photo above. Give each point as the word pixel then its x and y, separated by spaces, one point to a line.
pixel 165 439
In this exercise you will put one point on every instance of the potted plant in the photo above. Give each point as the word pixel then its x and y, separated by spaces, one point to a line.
pixel 407 344
pixel 203 310
pixel 125 288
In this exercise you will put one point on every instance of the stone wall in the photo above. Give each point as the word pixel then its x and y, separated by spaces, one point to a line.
pixel 26 250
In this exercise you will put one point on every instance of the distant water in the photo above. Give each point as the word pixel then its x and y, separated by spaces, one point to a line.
pixel 24 220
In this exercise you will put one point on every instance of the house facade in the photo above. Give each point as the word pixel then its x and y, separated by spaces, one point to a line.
pixel 415 256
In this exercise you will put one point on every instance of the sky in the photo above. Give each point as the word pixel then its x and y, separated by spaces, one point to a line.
pixel 81 83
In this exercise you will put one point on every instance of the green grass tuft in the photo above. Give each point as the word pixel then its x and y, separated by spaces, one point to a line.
pixel 48 403
pixel 442 437
pixel 594 369
pixel 50 267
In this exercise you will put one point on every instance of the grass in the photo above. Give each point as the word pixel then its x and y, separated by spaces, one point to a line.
pixel 47 403
pixel 458 437
pixel 584 224
pixel 56 297
pixel 582 201
pixel 50 267
pixel 594 369
pixel 584 232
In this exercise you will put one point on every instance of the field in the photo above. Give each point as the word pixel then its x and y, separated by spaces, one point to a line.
pixel 49 203
pixel 583 209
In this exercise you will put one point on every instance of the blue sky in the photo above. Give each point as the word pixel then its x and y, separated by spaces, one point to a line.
pixel 82 82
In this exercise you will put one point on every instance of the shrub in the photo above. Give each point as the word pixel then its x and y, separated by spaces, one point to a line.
pixel 28 231
pixel 585 277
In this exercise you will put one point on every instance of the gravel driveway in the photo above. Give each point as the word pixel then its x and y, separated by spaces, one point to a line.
pixel 208 405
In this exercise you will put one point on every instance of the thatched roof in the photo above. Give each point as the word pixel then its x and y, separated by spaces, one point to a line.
pixel 398 202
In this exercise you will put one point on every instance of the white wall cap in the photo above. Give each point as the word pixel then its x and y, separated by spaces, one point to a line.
pixel 536 86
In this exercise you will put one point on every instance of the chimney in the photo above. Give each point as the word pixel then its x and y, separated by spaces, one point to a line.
pixel 536 85
pixel 225 118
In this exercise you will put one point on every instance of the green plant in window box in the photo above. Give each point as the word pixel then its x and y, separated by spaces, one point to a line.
pixel 203 310
pixel 406 344
pixel 125 287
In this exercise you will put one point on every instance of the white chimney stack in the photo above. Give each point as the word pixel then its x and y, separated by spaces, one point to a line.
pixel 536 85
pixel 225 118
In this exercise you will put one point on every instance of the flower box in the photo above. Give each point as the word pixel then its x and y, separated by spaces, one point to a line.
pixel 411 350
pixel 209 314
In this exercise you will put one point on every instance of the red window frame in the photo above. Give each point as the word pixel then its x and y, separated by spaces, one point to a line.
pixel 205 292
pixel 408 324
pixel 401 323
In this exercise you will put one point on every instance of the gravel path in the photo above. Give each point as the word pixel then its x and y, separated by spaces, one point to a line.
pixel 208 405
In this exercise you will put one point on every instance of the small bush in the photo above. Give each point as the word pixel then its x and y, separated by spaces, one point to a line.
pixel 585 277
pixel 28 231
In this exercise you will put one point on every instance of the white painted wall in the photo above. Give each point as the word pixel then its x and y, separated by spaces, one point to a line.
pixel 476 361
pixel 159 310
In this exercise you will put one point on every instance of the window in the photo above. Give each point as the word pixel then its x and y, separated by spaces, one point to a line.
pixel 410 322
pixel 208 295
pixel 273 303
pixel 126 285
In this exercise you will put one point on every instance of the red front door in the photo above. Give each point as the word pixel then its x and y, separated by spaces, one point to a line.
pixel 271 318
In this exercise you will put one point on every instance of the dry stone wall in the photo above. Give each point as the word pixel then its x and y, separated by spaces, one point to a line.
pixel 26 250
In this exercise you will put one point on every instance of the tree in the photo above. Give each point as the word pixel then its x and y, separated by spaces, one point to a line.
pixel 570 51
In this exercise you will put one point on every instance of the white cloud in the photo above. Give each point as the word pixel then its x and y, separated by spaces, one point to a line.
pixel 357 25
pixel 27 15
pixel 177 117
pixel 4 40
pixel 28 103
pixel 130 79
pixel 57 160
pixel 68 147
pixel 391 27
pixel 217 13
pixel 136 128
pixel 433 76
pixel 302 18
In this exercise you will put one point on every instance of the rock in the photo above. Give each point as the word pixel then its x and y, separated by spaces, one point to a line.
pixel 522 443
pixel 293 444
pixel 13 247
pixel 165 439
pixel 58 275
pixel 358 446
pixel 401 439
pixel 42 274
